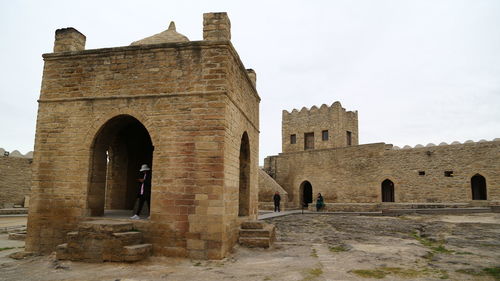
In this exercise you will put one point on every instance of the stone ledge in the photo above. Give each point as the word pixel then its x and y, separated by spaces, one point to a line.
pixel 14 211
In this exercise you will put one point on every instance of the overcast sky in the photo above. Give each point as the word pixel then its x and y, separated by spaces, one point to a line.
pixel 416 71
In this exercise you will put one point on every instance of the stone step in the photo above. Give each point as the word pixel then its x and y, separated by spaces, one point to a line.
pixel 129 238
pixel 105 226
pixel 252 225
pixel 17 236
pixel 137 252
pixel 267 231
pixel 62 251
pixel 255 242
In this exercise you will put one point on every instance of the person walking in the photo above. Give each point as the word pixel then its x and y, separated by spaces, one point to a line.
pixel 277 200
pixel 144 193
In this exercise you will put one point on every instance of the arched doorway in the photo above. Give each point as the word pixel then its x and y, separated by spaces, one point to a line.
pixel 387 191
pixel 306 193
pixel 244 186
pixel 478 185
pixel 120 147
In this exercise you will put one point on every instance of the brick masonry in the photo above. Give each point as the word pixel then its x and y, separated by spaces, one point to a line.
pixel 197 105
pixel 15 180
pixel 354 174
pixel 334 119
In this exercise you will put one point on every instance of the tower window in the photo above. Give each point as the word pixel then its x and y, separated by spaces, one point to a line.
pixel 421 173
pixel 349 137
pixel 308 141
pixel 324 135
pixel 448 173
pixel 293 139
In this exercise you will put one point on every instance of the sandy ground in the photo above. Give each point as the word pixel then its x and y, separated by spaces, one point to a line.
pixel 316 247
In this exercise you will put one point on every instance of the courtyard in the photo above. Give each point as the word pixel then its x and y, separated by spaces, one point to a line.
pixel 314 247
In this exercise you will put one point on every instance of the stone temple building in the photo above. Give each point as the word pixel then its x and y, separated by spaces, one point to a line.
pixel 188 109
pixel 321 154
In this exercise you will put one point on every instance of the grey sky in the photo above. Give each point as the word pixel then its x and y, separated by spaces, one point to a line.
pixel 416 71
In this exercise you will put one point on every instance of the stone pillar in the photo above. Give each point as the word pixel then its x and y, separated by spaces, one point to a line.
pixel 216 27
pixel 253 76
pixel 69 40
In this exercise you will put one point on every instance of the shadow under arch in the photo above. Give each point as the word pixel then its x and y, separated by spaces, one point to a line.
pixel 387 191
pixel 244 184
pixel 478 187
pixel 119 148
pixel 305 193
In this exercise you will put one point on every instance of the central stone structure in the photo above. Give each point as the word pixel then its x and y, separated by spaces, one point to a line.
pixel 189 109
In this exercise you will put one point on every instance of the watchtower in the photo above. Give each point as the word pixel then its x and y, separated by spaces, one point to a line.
pixel 319 128
pixel 188 109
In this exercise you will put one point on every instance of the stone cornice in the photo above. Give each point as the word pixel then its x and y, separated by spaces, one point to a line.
pixel 104 52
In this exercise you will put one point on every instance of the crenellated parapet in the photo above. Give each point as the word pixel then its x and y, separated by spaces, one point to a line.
pixel 443 144
pixel 15 154
pixel 323 109
pixel 319 128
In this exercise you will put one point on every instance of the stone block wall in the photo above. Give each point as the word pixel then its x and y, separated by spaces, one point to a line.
pixel 194 100
pixel 15 180
pixel 355 174
pixel 334 119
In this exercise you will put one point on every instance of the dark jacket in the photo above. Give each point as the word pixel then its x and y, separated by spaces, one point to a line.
pixel 276 198
pixel 147 183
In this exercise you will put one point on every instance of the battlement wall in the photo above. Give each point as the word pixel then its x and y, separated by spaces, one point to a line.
pixel 15 178
pixel 338 124
pixel 420 175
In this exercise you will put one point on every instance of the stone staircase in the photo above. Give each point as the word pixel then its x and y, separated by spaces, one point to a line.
pixel 104 240
pixel 257 234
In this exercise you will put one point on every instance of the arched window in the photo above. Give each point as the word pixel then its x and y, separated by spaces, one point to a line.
pixel 120 147
pixel 387 191
pixel 478 186
pixel 244 188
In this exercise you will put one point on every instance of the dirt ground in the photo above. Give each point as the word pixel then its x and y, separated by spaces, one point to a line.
pixel 317 247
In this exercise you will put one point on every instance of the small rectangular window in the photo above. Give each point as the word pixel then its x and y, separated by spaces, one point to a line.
pixel 448 173
pixel 293 139
pixel 349 138
pixel 421 173
pixel 324 135
pixel 308 141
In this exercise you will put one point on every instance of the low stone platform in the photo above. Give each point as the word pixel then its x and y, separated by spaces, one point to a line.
pixel 104 240
pixel 257 234
pixel 378 207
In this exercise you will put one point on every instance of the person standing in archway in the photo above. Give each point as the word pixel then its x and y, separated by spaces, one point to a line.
pixel 144 193
pixel 277 200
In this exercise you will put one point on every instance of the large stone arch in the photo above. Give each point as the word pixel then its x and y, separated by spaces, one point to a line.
pixel 99 122
pixel 120 146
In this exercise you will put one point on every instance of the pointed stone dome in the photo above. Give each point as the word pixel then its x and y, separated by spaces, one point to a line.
pixel 168 36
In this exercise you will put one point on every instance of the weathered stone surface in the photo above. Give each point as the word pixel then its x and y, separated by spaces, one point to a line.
pixel 98 241
pixel 255 242
pixel 17 236
pixel 252 225
pixel 136 252
pixel 168 36
pixel 334 119
pixel 257 234
pixel 15 180
pixel 349 176
pixel 189 110
pixel 267 188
